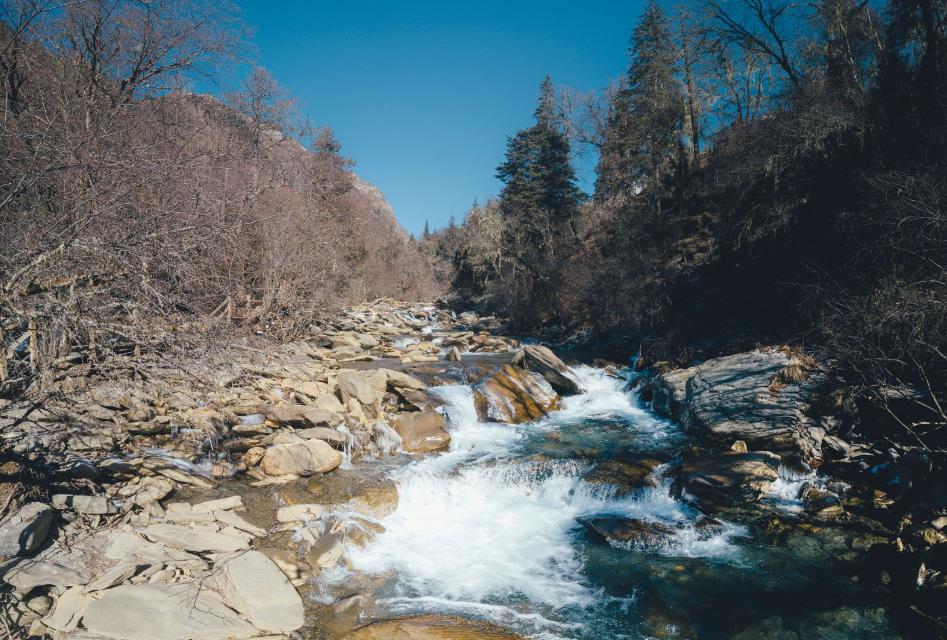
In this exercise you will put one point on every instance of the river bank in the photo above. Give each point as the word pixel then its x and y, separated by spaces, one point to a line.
pixel 406 473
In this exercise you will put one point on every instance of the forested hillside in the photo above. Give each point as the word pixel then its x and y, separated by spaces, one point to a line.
pixel 768 171
pixel 126 196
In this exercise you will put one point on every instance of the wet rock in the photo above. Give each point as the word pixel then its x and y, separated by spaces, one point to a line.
pixel 422 431
pixel 326 551
pixel 629 532
pixel 453 354
pixel 302 459
pixel 513 395
pixel 726 479
pixel 625 475
pixel 164 612
pixel 254 586
pixel 544 362
pixel 26 530
pixel 432 627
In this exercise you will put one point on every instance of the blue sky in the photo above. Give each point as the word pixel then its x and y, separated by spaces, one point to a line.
pixel 423 94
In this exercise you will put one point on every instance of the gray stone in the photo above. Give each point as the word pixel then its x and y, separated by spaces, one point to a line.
pixel 26 530
pixel 89 505
pixel 253 585
pixel 198 538
pixel 164 612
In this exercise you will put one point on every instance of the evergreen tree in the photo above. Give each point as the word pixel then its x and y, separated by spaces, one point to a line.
pixel 539 181
pixel 538 205
pixel 426 234
pixel 643 134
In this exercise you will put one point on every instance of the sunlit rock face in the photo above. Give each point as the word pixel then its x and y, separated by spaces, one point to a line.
pixel 514 395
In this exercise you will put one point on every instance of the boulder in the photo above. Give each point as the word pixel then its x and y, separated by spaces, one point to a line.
pixel 669 392
pixel 721 480
pixel 514 395
pixel 760 397
pixel 422 431
pixel 164 612
pixel 453 354
pixel 629 532
pixel 254 586
pixel 546 363
pixel 26 530
pixel 301 458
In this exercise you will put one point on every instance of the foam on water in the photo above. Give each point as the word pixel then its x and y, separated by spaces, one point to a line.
pixel 484 529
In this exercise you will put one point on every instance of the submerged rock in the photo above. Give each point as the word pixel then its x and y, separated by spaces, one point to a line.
pixel 629 531
pixel 625 475
pixel 422 431
pixel 514 395
pixel 544 362
pixel 726 479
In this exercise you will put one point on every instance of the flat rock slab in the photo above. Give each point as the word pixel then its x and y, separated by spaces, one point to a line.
pixel 198 538
pixel 253 585
pixel 164 612
pixel 26 530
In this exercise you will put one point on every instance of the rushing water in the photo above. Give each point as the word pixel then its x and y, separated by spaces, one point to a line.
pixel 492 529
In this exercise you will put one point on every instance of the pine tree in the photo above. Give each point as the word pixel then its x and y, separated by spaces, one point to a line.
pixel 539 181
pixel 426 234
pixel 538 205
pixel 642 138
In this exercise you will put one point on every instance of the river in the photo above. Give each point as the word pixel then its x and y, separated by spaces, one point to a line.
pixel 492 529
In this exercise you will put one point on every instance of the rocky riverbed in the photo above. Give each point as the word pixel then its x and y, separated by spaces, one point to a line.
pixel 406 472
